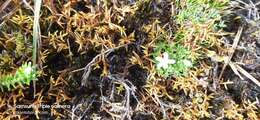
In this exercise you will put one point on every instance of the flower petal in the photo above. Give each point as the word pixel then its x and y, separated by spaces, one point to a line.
pixel 171 61
pixel 159 65
pixel 165 65
pixel 187 63
pixel 165 56
pixel 28 70
pixel 159 59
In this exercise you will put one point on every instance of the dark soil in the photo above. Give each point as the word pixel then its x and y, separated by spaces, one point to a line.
pixel 95 94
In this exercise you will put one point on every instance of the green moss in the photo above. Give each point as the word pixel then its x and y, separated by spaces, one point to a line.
pixel 24 75
pixel 197 13
pixel 20 44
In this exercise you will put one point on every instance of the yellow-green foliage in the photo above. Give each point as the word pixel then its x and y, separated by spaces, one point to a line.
pixel 102 32
pixel 23 75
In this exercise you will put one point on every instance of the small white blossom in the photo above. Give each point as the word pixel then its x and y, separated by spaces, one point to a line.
pixel 164 61
pixel 187 63
pixel 28 70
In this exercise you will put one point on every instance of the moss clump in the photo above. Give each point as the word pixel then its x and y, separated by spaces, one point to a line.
pixel 24 75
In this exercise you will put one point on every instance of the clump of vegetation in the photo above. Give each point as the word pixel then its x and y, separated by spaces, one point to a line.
pixel 129 59
pixel 200 22
pixel 24 75
pixel 172 59
pixel 200 11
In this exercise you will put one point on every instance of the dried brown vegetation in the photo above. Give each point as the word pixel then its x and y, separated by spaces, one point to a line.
pixel 97 57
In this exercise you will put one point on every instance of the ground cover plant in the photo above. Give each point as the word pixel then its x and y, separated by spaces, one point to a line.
pixel 130 59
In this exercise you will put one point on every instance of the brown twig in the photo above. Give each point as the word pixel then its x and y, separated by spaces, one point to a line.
pixel 3 6
pixel 231 53
pixel 88 67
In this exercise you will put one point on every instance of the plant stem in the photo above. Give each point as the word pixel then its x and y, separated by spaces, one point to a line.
pixel 36 34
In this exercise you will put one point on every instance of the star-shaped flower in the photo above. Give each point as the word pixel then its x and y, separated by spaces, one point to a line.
pixel 28 69
pixel 164 61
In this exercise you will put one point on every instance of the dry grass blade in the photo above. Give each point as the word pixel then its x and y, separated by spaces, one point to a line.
pixel 234 68
pixel 5 16
pixel 251 7
pixel 3 6
pixel 88 67
pixel 235 43
pixel 249 76
pixel 98 59
pixel 28 5
pixel 36 33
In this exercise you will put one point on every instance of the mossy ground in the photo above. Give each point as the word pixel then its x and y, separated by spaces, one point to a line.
pixel 98 58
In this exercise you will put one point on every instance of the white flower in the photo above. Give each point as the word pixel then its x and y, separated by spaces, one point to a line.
pixel 28 70
pixel 187 63
pixel 164 61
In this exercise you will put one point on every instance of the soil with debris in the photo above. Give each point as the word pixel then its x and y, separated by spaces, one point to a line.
pixel 98 79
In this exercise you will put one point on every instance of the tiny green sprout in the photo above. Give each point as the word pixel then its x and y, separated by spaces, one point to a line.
pixel 172 59
pixel 24 75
